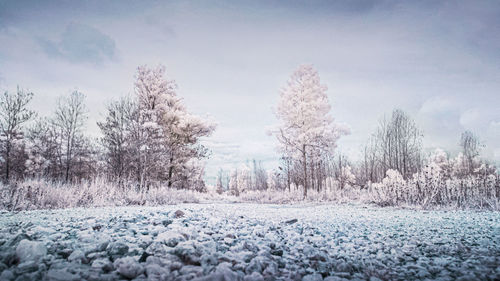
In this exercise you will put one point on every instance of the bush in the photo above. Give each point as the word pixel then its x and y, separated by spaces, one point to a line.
pixel 42 194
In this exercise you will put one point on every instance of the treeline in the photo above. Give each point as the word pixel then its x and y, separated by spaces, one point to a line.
pixel 149 139
pixel 393 170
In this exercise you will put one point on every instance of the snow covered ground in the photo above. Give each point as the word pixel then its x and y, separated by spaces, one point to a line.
pixel 249 242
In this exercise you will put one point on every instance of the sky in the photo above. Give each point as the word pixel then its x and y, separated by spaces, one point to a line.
pixel 437 60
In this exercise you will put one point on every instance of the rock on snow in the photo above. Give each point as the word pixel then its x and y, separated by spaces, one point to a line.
pixel 30 250
pixel 249 242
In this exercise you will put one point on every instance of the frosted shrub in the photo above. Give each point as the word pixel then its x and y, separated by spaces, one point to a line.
pixel 390 190
pixel 41 194
pixel 296 195
pixel 433 187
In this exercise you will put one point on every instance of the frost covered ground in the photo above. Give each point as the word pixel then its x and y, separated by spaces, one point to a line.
pixel 249 242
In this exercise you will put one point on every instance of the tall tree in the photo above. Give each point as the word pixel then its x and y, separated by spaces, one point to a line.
pixel 169 136
pixel 116 130
pixel 307 129
pixel 14 113
pixel 69 120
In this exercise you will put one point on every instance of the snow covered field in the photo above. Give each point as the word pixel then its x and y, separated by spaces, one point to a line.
pixel 249 242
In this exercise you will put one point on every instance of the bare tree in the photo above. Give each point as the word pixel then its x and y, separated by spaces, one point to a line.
pixel 369 170
pixel 70 117
pixel 471 147
pixel 399 144
pixel 259 176
pixel 116 130
pixel 340 165
pixel 42 149
pixel 13 114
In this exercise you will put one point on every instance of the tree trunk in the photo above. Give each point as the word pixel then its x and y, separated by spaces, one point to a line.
pixel 7 162
pixel 68 158
pixel 304 158
pixel 288 175
pixel 170 172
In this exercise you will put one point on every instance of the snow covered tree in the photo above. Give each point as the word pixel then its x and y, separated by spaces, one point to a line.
pixel 167 136
pixel 219 185
pixel 440 158
pixel 14 113
pixel 233 183
pixel 244 178
pixel 307 129
pixel 273 180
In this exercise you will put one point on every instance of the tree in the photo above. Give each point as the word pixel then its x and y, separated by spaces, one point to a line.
pixel 42 149
pixel 167 135
pixel 260 176
pixel 116 130
pixel 471 146
pixel 307 130
pixel 370 171
pixel 14 113
pixel 69 121
pixel 233 183
pixel 398 144
pixel 219 185
pixel 343 171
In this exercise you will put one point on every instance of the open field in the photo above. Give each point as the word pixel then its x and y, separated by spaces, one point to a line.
pixel 249 242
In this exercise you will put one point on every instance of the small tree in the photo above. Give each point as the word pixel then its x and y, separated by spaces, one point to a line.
pixel 14 113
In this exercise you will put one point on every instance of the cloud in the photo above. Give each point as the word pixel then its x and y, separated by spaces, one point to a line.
pixel 471 118
pixel 439 116
pixel 81 43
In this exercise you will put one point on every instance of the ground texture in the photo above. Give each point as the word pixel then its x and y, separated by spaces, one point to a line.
pixel 249 242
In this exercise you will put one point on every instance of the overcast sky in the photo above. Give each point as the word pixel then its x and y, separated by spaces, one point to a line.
pixel 437 60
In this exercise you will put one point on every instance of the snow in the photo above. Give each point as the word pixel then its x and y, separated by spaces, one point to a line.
pixel 250 242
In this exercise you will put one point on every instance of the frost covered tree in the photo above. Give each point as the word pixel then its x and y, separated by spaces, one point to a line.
pixel 244 178
pixel 307 129
pixel 14 113
pixel 273 180
pixel 342 171
pixel 233 183
pixel 219 185
pixel 165 137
